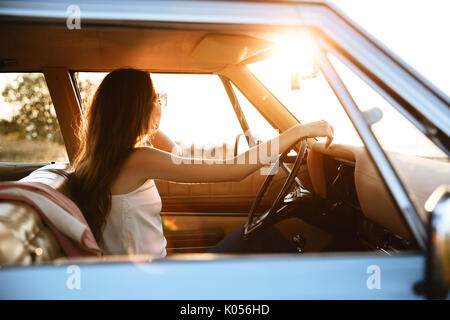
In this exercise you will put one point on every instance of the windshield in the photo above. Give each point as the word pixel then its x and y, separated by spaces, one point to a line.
pixel 308 99
pixel 294 79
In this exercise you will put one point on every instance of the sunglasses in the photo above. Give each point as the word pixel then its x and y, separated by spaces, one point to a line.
pixel 161 99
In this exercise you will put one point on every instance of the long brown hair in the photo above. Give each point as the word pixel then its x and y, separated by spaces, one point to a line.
pixel 115 122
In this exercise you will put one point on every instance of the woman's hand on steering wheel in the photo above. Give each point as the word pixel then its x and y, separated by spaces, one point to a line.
pixel 318 129
pixel 308 130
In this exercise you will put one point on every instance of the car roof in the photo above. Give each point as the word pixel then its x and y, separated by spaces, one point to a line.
pixel 104 49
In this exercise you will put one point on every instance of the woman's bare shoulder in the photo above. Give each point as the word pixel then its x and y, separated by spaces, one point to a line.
pixel 147 153
pixel 144 158
pixel 131 174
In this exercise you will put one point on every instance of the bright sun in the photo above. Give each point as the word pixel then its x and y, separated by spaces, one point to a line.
pixel 294 53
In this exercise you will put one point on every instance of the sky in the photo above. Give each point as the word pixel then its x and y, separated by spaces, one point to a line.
pixel 416 30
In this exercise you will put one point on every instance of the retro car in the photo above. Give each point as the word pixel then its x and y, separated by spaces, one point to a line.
pixel 369 216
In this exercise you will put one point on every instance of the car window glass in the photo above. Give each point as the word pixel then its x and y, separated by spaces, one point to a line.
pixel 29 129
pixel 308 99
pixel 394 131
pixel 260 128
pixel 420 164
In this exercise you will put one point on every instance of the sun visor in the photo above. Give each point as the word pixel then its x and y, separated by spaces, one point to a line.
pixel 228 49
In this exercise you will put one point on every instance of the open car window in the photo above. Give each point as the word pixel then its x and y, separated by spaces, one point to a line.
pixel 29 129
pixel 198 116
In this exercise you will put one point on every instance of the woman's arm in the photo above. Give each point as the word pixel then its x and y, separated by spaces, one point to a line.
pixel 151 163
pixel 163 142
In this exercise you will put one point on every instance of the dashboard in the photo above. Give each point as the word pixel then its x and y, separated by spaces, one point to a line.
pixel 347 174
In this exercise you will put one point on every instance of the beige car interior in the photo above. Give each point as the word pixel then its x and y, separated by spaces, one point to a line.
pixel 207 209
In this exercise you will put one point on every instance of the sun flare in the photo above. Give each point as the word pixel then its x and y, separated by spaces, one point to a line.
pixel 294 53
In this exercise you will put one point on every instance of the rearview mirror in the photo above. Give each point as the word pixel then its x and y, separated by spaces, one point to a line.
pixel 438 255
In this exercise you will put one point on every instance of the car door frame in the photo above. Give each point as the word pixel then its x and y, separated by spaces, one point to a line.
pixel 426 105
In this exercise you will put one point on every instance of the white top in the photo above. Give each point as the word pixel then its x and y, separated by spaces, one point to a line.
pixel 134 224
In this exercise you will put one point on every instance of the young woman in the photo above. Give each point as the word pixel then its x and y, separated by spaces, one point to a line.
pixel 112 173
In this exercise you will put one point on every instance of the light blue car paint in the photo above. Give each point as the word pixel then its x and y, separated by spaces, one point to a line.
pixel 278 277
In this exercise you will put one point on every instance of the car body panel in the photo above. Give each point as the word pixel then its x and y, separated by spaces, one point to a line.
pixel 278 277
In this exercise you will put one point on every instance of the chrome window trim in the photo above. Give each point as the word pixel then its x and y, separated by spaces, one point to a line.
pixel 190 11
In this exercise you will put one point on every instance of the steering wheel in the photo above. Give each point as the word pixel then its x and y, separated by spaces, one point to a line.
pixel 269 216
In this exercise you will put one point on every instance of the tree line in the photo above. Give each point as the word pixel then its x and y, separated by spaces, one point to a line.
pixel 34 117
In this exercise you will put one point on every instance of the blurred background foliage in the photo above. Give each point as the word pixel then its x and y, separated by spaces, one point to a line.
pixel 32 133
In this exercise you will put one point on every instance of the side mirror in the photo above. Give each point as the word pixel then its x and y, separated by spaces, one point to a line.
pixel 437 276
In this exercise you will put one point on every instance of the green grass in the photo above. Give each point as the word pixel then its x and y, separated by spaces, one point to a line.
pixel 13 149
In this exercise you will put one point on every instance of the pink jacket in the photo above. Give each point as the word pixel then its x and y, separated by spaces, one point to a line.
pixel 61 215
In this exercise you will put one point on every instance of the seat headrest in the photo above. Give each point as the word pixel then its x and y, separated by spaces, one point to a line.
pixel 47 177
